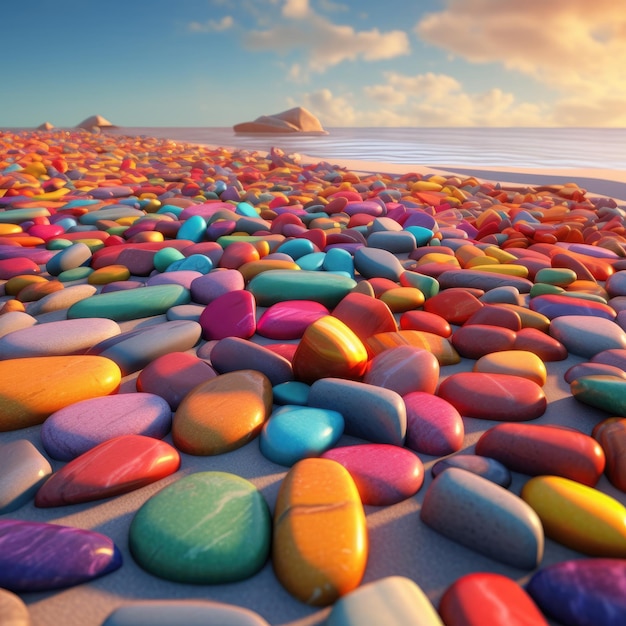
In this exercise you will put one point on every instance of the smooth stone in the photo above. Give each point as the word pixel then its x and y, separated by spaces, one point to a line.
pixel 17 266
pixel 439 346
pixel 383 474
pixel 59 338
pixel 426 284
pixel 482 280
pixel 582 591
pixel 402 299
pixel 232 314
pixel 586 338
pixel 297 248
pixel 494 396
pixel 135 349
pixel 71 257
pixel 173 375
pixel 364 315
pixel 538 342
pixel 289 320
pixel 530 319
pixel 190 312
pixel 108 274
pixel 592 369
pixel 132 304
pixel 454 305
pixel 602 392
pixel 320 544
pixel 23 469
pixel 514 362
pixel 578 516
pixel 275 286
pixel 404 369
pixel 293 433
pixel 611 435
pixel 216 283
pixel 616 357
pixel 487 468
pixel 13 611
pixel 164 257
pixel 82 425
pixel 383 422
pixel 425 321
pixel 536 449
pixel 477 340
pixel 112 468
pixel 184 278
pixel 561 276
pixel 13 321
pixel 487 598
pixel 339 260
pixel 393 601
pixel 233 353
pixel 291 392
pixel 36 556
pixel 206 528
pixel 62 299
pixel 328 348
pixel 33 388
pixel 491 315
pixel 434 426
pixel 556 305
pixel 187 612
pixel 484 517
pixel 222 414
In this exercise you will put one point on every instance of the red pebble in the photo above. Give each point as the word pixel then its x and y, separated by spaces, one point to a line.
pixel 455 305
pixel 611 435
pixel 475 340
pixel 493 315
pixel 545 347
pixel 238 253
pixel 365 316
pixel 423 320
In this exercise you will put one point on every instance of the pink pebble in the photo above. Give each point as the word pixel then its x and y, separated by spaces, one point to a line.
pixel 289 320
pixel 232 314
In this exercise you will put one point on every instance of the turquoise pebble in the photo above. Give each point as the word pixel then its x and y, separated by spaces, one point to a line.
pixel 194 262
pixel 297 248
pixel 313 262
pixel 428 285
pixel 170 208
pixel 339 260
pixel 78 273
pixel 17 216
pixel 164 257
pixel 246 209
pixel 291 392
pixel 293 433
pixel 422 234
pixel 192 229
pixel 58 244
pixel 206 528
pixel 113 213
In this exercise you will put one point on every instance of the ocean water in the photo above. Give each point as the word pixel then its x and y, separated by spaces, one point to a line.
pixel 548 148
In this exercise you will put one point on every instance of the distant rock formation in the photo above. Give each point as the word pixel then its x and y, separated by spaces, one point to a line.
pixel 296 120
pixel 45 126
pixel 95 121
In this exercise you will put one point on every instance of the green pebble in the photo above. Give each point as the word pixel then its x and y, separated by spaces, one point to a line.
pixel 560 277
pixel 76 273
pixel 206 528
pixel 58 244
pixel 543 289
pixel 428 285
pixel 603 392
pixel 164 257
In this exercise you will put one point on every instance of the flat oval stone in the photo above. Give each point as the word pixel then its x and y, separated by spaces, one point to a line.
pixel 585 338
pixel 184 278
pixel 494 396
pixel 479 279
pixel 329 348
pixel 222 414
pixel 62 299
pixel 15 320
pixel 188 612
pixel 538 342
pixel 289 320
pixel 377 263
pixel 439 346
pixel 491 315
pixel 33 388
pixel 81 426
pixel 404 369
pixel 578 516
pixel 454 305
pixel 131 304
pixel 14 612
pixel 23 469
pixel 514 362
pixel 275 286
pixel 556 305
pixel 385 418
pixel 423 320
pixel 208 287
pixel 173 375
pixel 206 528
pixel 603 392
pixel 536 449
pixel 134 349
pixel 112 468
pixel 393 601
pixel 592 369
pixel 320 545
pixel 483 466
pixel 582 591
pixel 434 426
pixel 474 341
pixel 487 598
pixel 57 338
pixel 611 435
pixel 36 556
pixel 383 474
pixel 484 517
pixel 293 433
pixel 73 256
pixel 232 314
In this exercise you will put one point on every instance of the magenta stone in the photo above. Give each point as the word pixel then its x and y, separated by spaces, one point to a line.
pixel 289 320
pixel 230 315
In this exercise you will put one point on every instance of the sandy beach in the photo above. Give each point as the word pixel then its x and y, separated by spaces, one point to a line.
pixel 400 544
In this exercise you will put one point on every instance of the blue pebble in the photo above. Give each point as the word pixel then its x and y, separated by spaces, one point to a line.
pixel 170 208
pixel 291 392
pixel 339 260
pixel 246 209
pixel 422 234
pixel 313 262
pixel 195 262
pixel 297 248
pixel 193 229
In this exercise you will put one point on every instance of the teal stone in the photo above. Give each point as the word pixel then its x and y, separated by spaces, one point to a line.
pixel 246 209
pixel 131 304
pixel 170 208
pixel 602 392
pixel 297 248
pixel 206 528
pixel 422 234
pixel 17 216
pixel 77 273
pixel 164 257
pixel 282 285
pixel 313 262
pixel 291 392
pixel 339 260
pixel 58 244
pixel 428 285
pixel 113 213
pixel 395 242
pixel 194 262
pixel 293 433
pixel 226 240
pixel 377 263
pixel 193 229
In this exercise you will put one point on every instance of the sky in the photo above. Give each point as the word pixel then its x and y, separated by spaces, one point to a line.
pixel 418 63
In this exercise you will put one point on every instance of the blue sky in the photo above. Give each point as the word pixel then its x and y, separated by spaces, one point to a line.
pixel 350 62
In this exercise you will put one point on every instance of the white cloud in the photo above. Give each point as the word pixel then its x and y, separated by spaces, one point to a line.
pixel 296 9
pixel 577 47
pixel 212 26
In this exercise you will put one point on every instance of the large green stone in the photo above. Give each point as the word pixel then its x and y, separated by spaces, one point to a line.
pixel 131 304
pixel 206 528
pixel 281 285
pixel 603 392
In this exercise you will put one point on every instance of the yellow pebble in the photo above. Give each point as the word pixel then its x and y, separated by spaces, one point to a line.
pixel 15 284
pixel 438 257
pixel 401 299
pixel 516 362
pixel 480 261
pixel 502 255
pixel 108 274
pixel 506 268
pixel 10 229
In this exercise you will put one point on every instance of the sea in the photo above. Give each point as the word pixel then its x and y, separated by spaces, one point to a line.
pixel 545 148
